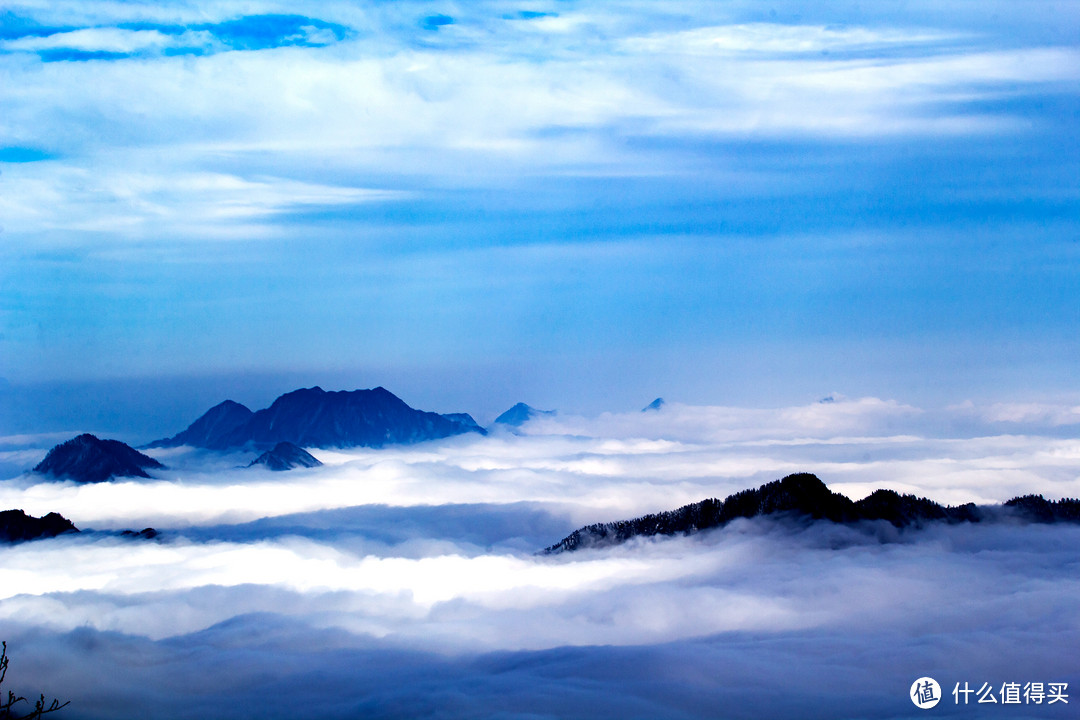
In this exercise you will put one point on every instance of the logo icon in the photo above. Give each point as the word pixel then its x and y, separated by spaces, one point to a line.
pixel 925 693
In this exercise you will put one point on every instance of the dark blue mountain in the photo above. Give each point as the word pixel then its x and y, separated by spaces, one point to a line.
pixel 214 423
pixel 654 405
pixel 804 497
pixel 286 456
pixel 521 414
pixel 466 421
pixel 314 417
pixel 17 526
pixel 89 459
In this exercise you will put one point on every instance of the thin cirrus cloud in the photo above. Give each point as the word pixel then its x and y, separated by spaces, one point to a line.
pixel 746 70
pixel 147 39
pixel 493 103
pixel 209 203
pixel 772 38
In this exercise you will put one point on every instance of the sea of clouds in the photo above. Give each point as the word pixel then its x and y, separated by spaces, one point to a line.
pixel 405 581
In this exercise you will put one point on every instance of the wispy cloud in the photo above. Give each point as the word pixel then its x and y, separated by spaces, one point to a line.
pixel 142 201
pixel 776 38
pixel 146 39
pixel 1020 413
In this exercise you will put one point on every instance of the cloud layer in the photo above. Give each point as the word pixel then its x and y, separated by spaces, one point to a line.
pixel 403 581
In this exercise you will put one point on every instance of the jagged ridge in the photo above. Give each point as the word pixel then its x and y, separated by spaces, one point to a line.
pixel 805 495
pixel 313 417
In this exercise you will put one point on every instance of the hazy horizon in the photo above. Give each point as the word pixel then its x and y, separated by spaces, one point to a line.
pixel 578 205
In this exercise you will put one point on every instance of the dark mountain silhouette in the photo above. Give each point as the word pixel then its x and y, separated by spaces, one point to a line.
pixel 89 459
pixel 313 417
pixel 316 418
pixel 214 423
pixel 17 526
pixel 286 456
pixel 654 405
pixel 1036 508
pixel 466 421
pixel 805 496
pixel 144 534
pixel 521 414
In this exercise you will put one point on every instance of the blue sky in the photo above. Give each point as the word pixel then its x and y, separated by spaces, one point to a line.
pixel 578 204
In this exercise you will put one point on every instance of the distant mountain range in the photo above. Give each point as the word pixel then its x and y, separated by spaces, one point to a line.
pixel 309 417
pixel 87 458
pixel 313 417
pixel 16 526
pixel 804 496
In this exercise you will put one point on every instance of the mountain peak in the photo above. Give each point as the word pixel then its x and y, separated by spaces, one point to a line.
pixel 313 417
pixel 216 421
pixel 654 405
pixel 521 414
pixel 86 458
pixel 286 456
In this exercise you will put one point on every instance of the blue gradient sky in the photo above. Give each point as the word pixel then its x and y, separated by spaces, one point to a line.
pixel 582 205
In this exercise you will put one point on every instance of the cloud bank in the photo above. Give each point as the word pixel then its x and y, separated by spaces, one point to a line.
pixel 404 581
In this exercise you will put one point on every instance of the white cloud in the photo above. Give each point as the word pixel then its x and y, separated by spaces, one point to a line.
pixel 601 468
pixel 1042 413
pixel 488 106
pixel 777 38
pixel 751 576
pixel 376 553
pixel 110 40
pixel 46 197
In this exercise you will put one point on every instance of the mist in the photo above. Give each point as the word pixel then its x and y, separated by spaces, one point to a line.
pixel 405 582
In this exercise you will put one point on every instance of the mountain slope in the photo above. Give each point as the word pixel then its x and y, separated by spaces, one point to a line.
pixel 804 495
pixel 214 423
pixel 521 414
pixel 313 417
pixel 466 421
pixel 89 459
